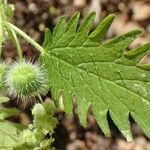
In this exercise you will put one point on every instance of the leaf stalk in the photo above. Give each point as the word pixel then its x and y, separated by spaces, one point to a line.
pixel 25 36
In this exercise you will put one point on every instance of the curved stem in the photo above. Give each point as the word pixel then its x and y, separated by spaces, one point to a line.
pixel 25 36
pixel 16 42
pixel 40 98
pixel 1 26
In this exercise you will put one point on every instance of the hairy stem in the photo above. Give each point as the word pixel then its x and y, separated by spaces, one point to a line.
pixel 40 98
pixel 5 2
pixel 16 42
pixel 1 26
pixel 25 36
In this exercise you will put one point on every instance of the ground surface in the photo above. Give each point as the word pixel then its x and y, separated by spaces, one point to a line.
pixel 34 15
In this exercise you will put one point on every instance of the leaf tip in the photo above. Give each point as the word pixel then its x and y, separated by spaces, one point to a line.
pixel 93 13
pixel 112 16
pixel 136 31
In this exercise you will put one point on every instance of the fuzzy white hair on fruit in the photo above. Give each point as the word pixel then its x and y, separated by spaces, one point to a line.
pixel 25 80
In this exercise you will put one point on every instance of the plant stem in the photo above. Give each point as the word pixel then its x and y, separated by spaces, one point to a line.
pixel 40 98
pixel 5 2
pixel 16 42
pixel 25 36
pixel 1 26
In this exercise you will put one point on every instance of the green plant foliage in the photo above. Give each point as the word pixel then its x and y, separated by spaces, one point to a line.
pixel 99 74
pixel 43 117
pixel 37 136
pixel 6 112
pixel 8 130
pixel 2 76
pixel 4 99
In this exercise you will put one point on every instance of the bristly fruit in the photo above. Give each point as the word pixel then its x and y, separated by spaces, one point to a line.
pixel 2 76
pixel 25 80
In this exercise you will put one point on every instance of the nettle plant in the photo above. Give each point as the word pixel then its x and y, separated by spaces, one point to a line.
pixel 74 63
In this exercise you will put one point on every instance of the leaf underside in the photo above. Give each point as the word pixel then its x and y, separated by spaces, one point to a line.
pixel 99 74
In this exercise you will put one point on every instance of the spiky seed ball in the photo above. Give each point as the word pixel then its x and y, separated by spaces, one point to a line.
pixel 25 80
pixel 2 76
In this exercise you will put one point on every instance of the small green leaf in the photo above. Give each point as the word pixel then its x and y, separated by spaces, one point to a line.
pixel 4 99
pixel 39 134
pixel 9 135
pixel 43 117
pixel 7 112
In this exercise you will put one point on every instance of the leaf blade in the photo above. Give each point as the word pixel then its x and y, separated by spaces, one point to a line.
pixel 100 76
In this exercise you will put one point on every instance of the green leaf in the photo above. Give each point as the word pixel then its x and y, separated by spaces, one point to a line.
pixel 16 136
pixel 9 132
pixel 9 135
pixel 7 112
pixel 39 134
pixel 4 99
pixel 99 74
pixel 43 117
